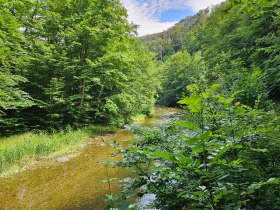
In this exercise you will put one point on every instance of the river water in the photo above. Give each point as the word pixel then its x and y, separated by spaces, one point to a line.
pixel 72 183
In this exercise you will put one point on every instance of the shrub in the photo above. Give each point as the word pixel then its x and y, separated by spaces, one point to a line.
pixel 220 155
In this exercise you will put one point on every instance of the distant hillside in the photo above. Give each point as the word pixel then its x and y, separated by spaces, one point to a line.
pixel 170 41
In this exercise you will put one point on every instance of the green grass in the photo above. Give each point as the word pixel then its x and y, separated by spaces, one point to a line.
pixel 33 145
pixel 139 118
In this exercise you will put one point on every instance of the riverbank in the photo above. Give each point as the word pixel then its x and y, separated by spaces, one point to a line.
pixel 19 152
pixel 73 182
pixel 76 183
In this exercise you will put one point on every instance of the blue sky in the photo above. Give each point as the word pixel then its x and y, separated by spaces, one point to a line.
pixel 175 14
pixel 154 16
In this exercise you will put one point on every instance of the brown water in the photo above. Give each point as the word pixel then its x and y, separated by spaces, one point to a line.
pixel 74 184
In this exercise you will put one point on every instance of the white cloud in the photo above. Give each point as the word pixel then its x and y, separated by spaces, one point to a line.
pixel 197 5
pixel 146 13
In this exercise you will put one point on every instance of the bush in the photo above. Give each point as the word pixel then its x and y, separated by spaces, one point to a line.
pixel 220 155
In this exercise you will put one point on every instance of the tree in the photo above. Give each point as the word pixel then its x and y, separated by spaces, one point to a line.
pixel 81 63
pixel 180 70
pixel 13 59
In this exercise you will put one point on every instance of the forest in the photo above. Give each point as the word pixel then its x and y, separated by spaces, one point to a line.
pixel 70 69
pixel 71 63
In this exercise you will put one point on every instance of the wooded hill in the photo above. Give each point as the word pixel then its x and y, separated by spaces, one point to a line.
pixel 236 44
pixel 171 41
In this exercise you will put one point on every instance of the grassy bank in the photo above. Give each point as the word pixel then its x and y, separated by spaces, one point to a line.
pixel 19 149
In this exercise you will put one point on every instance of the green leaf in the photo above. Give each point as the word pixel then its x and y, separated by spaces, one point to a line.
pixel 197 150
pixel 185 160
pixel 164 155
pixel 188 125
pixel 235 162
pixel 194 103
pixel 206 136
pixel 192 141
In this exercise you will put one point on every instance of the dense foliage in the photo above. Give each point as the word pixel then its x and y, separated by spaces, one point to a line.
pixel 77 62
pixel 168 42
pixel 224 151
pixel 180 70
pixel 220 155
pixel 71 63
pixel 239 44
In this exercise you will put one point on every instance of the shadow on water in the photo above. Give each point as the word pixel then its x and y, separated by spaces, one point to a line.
pixel 72 183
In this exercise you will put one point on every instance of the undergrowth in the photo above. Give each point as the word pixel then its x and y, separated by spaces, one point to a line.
pixel 33 145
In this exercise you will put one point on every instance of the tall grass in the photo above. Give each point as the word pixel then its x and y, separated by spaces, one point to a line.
pixel 31 145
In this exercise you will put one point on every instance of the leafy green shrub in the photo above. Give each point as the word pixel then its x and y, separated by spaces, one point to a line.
pixel 220 155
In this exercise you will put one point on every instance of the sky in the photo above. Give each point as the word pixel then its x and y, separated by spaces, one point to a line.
pixel 154 16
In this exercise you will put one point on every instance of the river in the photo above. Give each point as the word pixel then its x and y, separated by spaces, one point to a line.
pixel 72 183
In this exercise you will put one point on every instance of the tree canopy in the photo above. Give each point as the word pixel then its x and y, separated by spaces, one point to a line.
pixel 78 62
